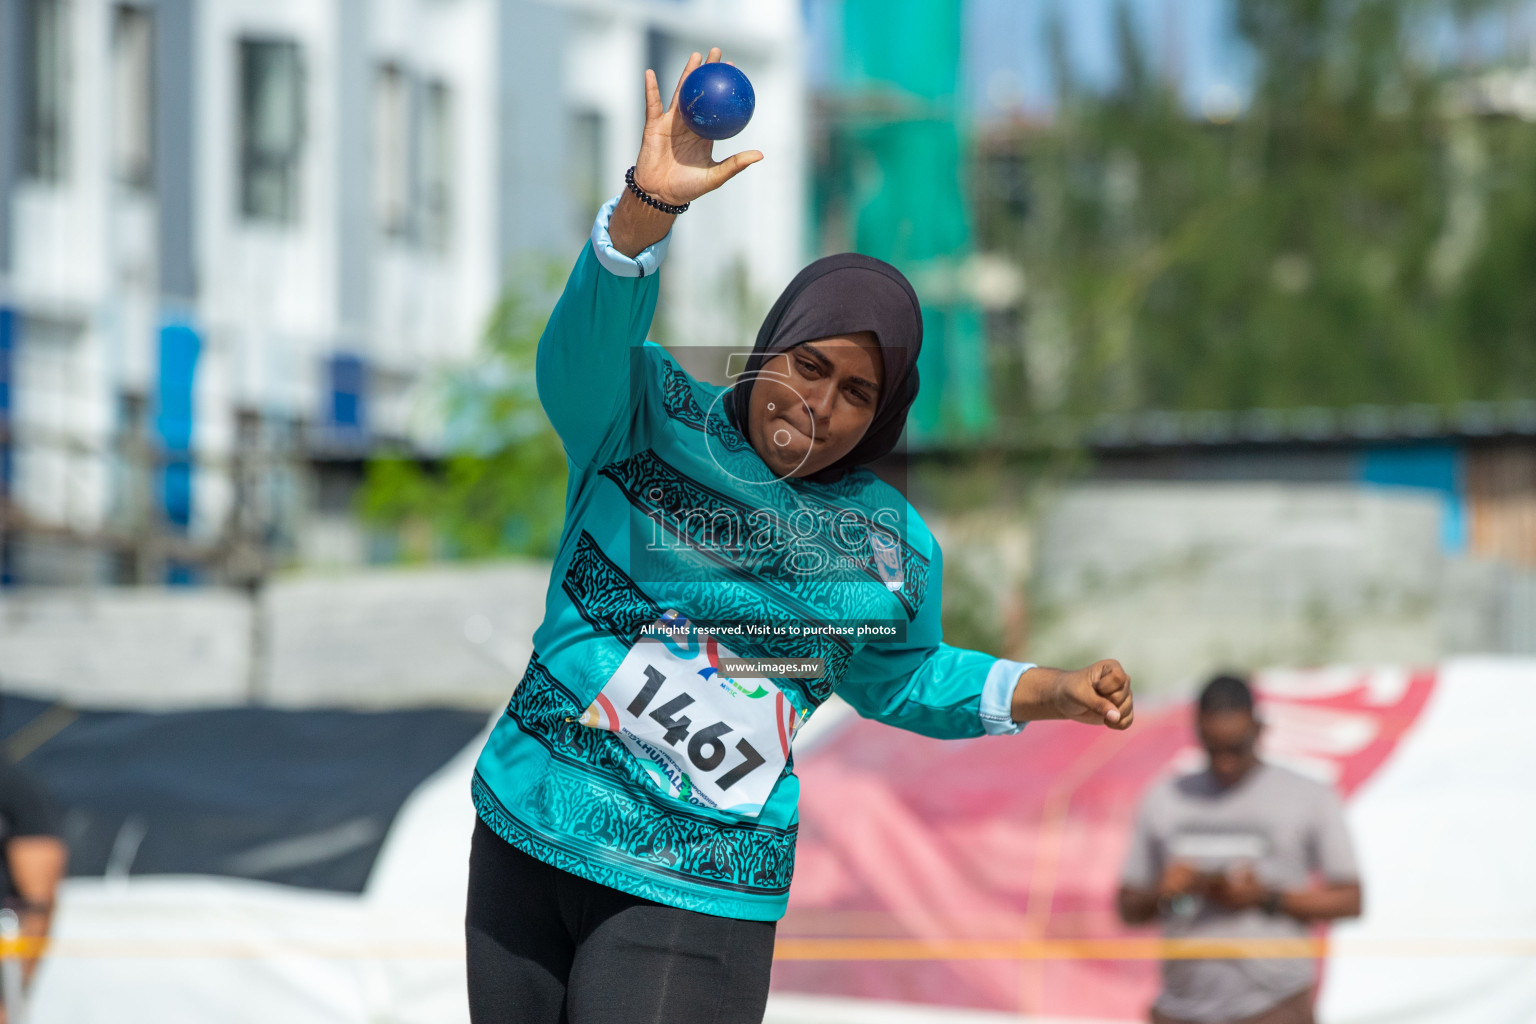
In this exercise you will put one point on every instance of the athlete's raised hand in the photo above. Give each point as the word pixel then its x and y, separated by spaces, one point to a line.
pixel 1097 695
pixel 675 165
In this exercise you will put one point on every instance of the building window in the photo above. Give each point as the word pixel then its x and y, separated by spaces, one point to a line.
pixel 271 129
pixel 133 92
pixel 47 89
pixel 436 163
pixel 413 137
pixel 391 157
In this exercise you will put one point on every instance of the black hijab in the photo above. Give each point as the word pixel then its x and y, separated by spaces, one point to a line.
pixel 837 295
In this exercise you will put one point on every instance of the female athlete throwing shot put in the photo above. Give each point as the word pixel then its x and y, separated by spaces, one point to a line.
pixel 636 803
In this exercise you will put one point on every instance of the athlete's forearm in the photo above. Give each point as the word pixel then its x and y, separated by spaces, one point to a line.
pixel 636 226
pixel 1032 696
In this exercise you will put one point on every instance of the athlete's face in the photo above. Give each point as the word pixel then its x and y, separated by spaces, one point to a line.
pixel 811 404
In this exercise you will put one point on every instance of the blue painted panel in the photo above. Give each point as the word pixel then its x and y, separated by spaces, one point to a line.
pixel 179 350
pixel 1440 468
pixel 180 347
pixel 348 412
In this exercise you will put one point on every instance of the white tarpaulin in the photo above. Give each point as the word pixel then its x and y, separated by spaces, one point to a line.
pixel 1446 832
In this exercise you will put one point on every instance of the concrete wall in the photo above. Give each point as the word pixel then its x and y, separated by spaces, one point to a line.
pixel 1179 580
pixel 1488 606
pixel 408 636
pixel 458 636
pixel 126 648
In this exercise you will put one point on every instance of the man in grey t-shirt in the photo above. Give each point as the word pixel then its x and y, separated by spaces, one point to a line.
pixel 1240 850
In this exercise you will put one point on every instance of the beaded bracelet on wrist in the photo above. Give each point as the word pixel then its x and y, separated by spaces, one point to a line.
pixel 650 200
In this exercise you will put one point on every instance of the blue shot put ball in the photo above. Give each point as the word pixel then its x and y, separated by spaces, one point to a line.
pixel 717 101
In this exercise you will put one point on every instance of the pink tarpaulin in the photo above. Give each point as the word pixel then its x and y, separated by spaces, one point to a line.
pixel 975 845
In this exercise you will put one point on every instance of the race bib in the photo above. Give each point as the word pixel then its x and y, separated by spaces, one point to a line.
pixel 705 738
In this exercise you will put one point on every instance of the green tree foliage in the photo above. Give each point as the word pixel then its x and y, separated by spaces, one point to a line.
pixel 500 490
pixel 1358 234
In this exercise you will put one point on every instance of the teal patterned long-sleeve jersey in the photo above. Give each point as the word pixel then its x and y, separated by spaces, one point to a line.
pixel 656 468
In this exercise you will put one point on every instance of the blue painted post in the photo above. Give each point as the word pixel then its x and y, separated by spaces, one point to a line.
pixel 9 322
pixel 347 415
pixel 179 350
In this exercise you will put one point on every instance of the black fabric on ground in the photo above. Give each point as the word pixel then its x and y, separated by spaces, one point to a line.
pixel 548 947
pixel 302 798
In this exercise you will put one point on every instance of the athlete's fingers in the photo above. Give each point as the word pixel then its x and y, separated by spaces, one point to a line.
pixel 1110 678
pixel 652 97
pixel 714 55
pixel 731 166
pixel 1096 707
pixel 1114 690
pixel 1118 696
pixel 694 60
pixel 1127 709
pixel 1107 674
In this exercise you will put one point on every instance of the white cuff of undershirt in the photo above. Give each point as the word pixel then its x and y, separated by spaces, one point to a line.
pixel 997 697
pixel 615 262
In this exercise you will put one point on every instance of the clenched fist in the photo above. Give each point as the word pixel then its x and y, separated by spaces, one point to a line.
pixel 1097 695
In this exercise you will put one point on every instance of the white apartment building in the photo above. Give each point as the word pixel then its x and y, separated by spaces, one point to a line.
pixel 242 232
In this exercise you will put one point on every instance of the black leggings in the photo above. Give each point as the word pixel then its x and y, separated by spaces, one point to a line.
pixel 548 947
